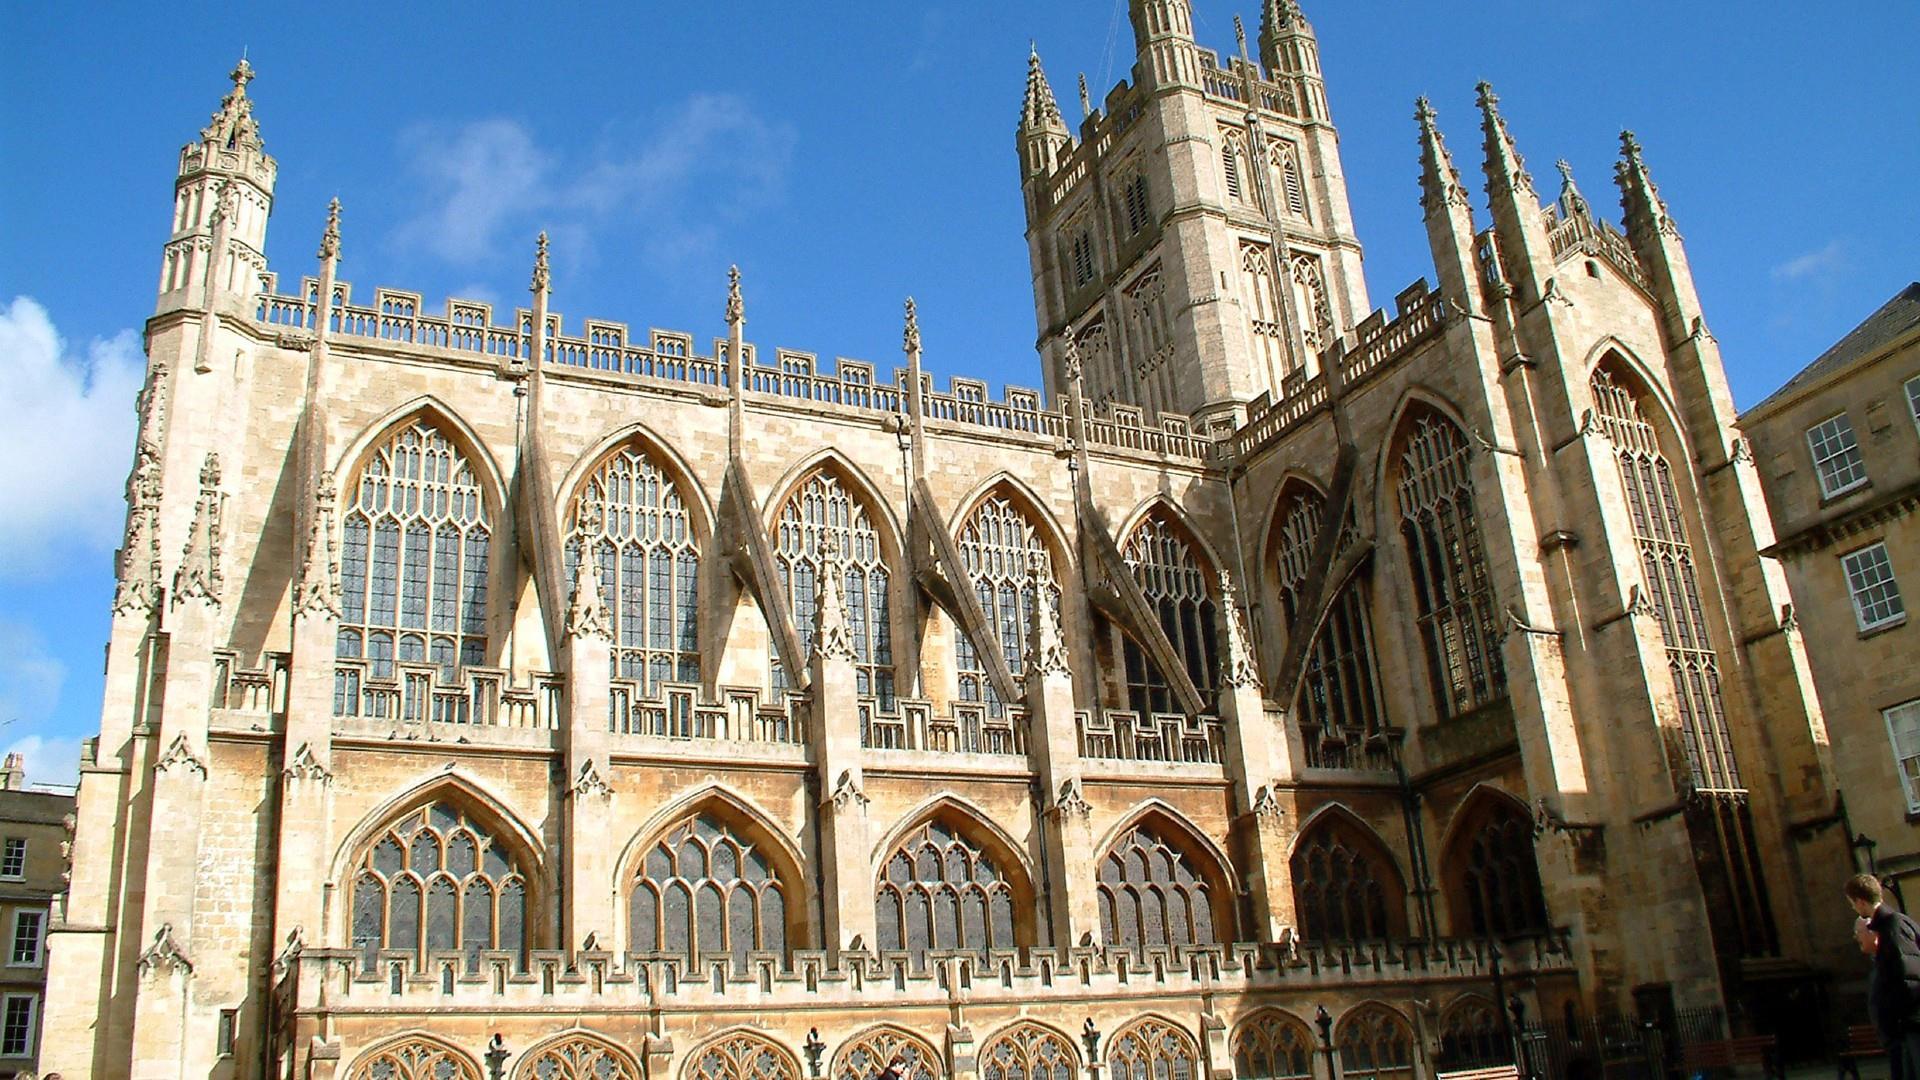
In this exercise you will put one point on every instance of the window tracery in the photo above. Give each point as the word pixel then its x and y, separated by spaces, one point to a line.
pixel 1174 576
pixel 1271 1045
pixel 742 1056
pixel 1151 1049
pixel 1345 887
pixel 1261 298
pixel 1497 880
pixel 1028 1051
pixel 821 509
pixel 1450 577
pixel 413 564
pixel 577 1057
pixel 998 545
pixel 1471 1035
pixel 867 1055
pixel 438 881
pixel 415 1059
pixel 1375 1041
pixel 1339 704
pixel 649 567
pixel 1152 894
pixel 939 891
pixel 705 889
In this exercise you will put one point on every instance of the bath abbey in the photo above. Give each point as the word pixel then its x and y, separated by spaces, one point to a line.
pixel 1288 687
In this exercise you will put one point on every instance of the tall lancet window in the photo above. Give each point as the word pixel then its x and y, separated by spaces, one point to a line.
pixel 706 888
pixel 1339 704
pixel 1450 577
pixel 1260 298
pixel 1673 586
pixel 998 545
pixel 632 515
pixel 437 881
pixel 413 562
pixel 1174 576
pixel 820 510
pixel 940 890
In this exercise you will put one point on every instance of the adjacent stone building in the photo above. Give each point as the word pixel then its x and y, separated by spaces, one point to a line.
pixel 671 707
pixel 1838 449
pixel 34 834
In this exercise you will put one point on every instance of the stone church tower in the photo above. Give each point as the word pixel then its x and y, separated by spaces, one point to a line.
pixel 489 689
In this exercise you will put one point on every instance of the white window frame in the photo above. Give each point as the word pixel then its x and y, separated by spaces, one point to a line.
pixel 33 1024
pixel 6 849
pixel 1873 556
pixel 1822 461
pixel 1913 400
pixel 39 938
pixel 1905 713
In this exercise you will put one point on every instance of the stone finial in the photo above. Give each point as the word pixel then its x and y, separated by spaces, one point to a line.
pixel 140 553
pixel 1086 99
pixel 1572 203
pixel 1440 184
pixel 199 576
pixel 736 307
pixel 542 275
pixel 1504 166
pixel 910 339
pixel 330 239
pixel 1240 35
pixel 1070 364
pixel 1039 109
pixel 1237 667
pixel 832 634
pixel 233 125
pixel 587 614
pixel 318 590
pixel 1639 196
pixel 1046 650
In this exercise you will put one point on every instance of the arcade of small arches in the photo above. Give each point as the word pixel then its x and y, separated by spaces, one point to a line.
pixel 1267 1043
pixel 449 874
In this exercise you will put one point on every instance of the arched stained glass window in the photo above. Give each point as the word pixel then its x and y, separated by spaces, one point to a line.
pixel 413 561
pixel 1152 1049
pixel 1271 1045
pixel 823 508
pixel 635 519
pixel 1174 576
pixel 1496 883
pixel 998 545
pixel 871 1051
pixel 741 1056
pixel 1152 894
pixel 1472 1036
pixel 1450 577
pixel 438 881
pixel 1027 1051
pixel 1375 1041
pixel 577 1057
pixel 940 891
pixel 415 1059
pixel 1345 886
pixel 1339 705
pixel 705 889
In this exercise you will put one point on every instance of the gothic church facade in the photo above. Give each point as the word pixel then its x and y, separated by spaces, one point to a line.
pixel 1286 673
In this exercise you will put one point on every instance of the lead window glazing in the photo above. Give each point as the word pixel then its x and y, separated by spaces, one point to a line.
pixel 1152 894
pixel 705 889
pixel 438 881
pixel 1450 576
pixel 1173 575
pixel 823 510
pixel 632 515
pixel 939 891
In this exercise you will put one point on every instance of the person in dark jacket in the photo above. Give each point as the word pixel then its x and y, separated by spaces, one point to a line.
pixel 1869 943
pixel 1893 989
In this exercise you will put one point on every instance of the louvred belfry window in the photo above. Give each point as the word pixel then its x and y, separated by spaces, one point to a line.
pixel 413 560
pixel 1450 577
pixel 636 523
pixel 822 510
pixel 998 545
pixel 1173 575
pixel 940 891
pixel 1151 894
pixel 706 890
pixel 1339 705
pixel 438 881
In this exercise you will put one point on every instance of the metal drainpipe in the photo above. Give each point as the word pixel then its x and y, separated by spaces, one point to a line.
pixel 1416 849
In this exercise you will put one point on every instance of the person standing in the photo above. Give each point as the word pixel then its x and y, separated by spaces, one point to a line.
pixel 1869 943
pixel 1893 988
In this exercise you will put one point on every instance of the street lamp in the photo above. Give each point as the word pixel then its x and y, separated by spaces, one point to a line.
pixel 1090 1035
pixel 815 1051
pixel 496 1056
pixel 1323 1020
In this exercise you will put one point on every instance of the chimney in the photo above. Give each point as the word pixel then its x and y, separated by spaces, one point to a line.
pixel 13 774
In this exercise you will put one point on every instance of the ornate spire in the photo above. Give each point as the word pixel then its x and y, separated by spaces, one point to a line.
pixel 1639 196
pixel 1237 668
pixel 1070 366
pixel 736 307
pixel 1439 181
pixel 1572 204
pixel 1086 99
pixel 832 636
pixel 318 590
pixel 1046 651
pixel 542 275
pixel 330 240
pixel 140 554
pixel 233 125
pixel 1039 110
pixel 587 615
pixel 1505 167
pixel 1240 35
pixel 910 339
pixel 199 574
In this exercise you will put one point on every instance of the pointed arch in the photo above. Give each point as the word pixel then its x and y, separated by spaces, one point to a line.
pixel 656 447
pixel 1162 882
pixel 1488 868
pixel 1293 484
pixel 354 455
pixel 712 874
pixel 1059 546
pixel 1179 580
pixel 1417 399
pixel 1153 1047
pixel 1375 1039
pixel 949 879
pixel 1161 503
pixel 1001 531
pixel 413 1055
pixel 1028 1050
pixel 1611 350
pixel 863 1055
pixel 850 473
pixel 1272 1044
pixel 578 1054
pixel 741 1053
pixel 1347 885
pixel 1471 1035
pixel 456 784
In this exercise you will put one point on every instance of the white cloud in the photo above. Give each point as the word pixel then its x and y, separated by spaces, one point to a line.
pixel 30 682
pixel 69 434
pixel 1812 264
pixel 672 182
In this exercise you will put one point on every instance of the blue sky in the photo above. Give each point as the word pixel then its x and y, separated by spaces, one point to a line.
pixel 845 155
